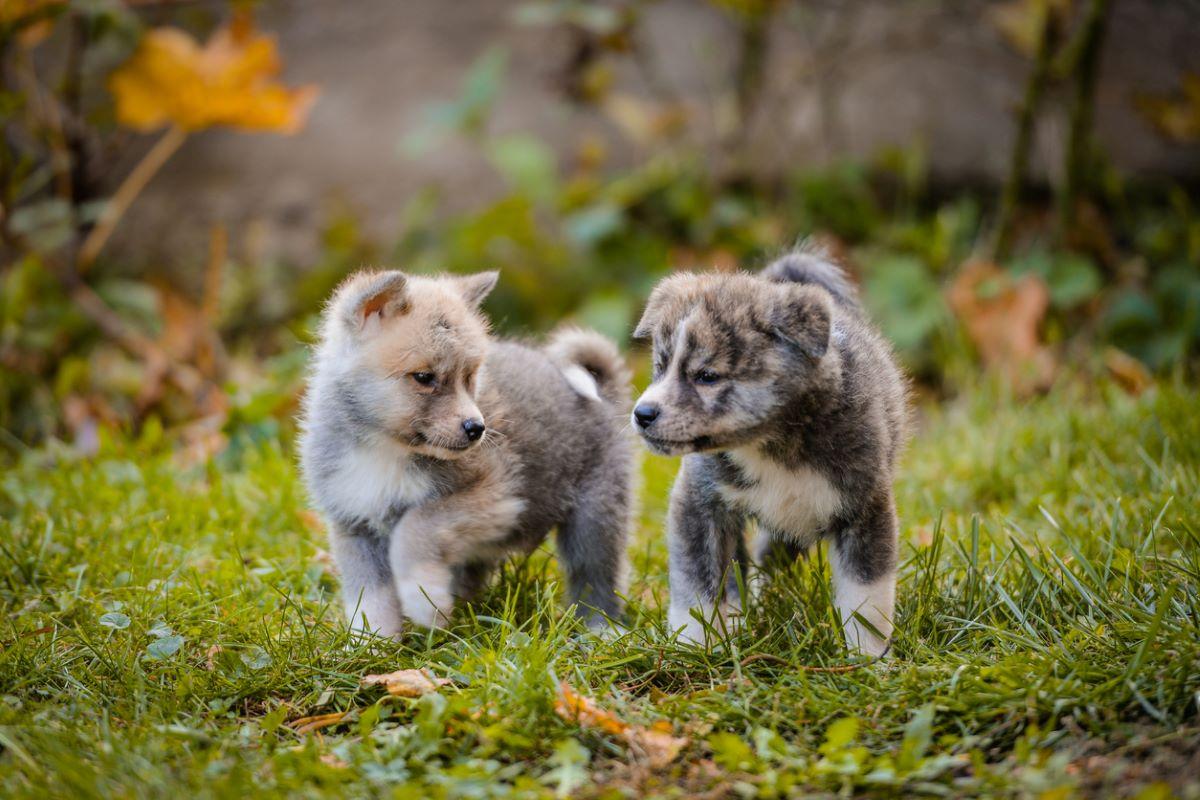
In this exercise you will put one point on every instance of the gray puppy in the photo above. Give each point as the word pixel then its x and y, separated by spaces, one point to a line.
pixel 434 451
pixel 792 412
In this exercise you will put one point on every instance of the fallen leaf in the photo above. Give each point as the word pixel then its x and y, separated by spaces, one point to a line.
pixel 330 760
pixel 656 745
pixel 407 682
pixel 1129 373
pixel 1002 316
pixel 210 657
pixel 573 706
pixel 316 723
pixel 172 80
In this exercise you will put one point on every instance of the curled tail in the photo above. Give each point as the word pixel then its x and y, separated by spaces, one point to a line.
pixel 591 363
pixel 813 265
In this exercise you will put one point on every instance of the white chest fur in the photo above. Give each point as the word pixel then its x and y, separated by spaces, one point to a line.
pixel 795 502
pixel 373 479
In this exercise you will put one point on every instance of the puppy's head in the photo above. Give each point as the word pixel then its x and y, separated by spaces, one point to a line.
pixel 407 351
pixel 729 351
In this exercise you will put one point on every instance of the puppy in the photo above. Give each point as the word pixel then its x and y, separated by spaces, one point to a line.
pixel 434 451
pixel 790 410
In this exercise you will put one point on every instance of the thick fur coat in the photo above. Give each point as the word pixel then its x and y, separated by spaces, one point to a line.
pixel 434 450
pixel 789 409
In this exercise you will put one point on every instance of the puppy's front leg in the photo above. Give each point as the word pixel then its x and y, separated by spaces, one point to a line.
pixel 368 593
pixel 863 561
pixel 430 541
pixel 705 538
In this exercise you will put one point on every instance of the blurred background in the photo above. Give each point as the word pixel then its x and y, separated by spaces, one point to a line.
pixel 1015 185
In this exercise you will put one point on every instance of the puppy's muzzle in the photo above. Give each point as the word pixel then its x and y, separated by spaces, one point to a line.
pixel 474 429
pixel 645 414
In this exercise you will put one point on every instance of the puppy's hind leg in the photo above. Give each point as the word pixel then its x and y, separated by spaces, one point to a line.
pixel 706 540
pixel 591 545
pixel 863 561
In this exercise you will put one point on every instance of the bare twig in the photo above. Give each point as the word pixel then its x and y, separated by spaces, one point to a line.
pixel 1035 88
pixel 127 192
pixel 1079 136
pixel 218 248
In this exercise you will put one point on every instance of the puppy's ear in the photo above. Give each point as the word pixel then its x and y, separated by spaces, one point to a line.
pixel 802 317
pixel 669 299
pixel 374 297
pixel 475 288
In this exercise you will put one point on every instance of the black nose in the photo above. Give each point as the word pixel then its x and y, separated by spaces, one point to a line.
pixel 645 414
pixel 473 428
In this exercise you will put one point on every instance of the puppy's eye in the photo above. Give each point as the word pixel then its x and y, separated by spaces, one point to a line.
pixel 424 378
pixel 706 377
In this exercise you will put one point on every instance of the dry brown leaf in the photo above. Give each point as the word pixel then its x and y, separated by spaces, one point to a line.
pixel 573 706
pixel 1002 316
pixel 210 657
pixel 1127 371
pixel 407 682
pixel 172 80
pixel 657 745
pixel 316 723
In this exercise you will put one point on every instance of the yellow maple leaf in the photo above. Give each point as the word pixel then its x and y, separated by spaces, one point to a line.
pixel 172 80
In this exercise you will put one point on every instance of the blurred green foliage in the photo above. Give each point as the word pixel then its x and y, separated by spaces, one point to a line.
pixel 580 236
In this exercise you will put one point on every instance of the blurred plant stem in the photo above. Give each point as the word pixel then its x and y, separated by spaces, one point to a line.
pixel 127 192
pixel 1049 33
pixel 1079 152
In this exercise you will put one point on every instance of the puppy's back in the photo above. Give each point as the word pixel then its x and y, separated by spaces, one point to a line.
pixel 558 436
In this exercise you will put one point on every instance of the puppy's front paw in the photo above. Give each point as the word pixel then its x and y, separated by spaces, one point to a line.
pixel 685 626
pixel 376 612
pixel 605 628
pixel 426 603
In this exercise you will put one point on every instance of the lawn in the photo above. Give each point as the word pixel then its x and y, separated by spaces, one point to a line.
pixel 167 622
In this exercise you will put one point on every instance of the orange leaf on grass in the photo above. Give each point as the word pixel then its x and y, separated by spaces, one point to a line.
pixel 655 744
pixel 173 80
pixel 316 723
pixel 573 706
pixel 1002 316
pixel 407 682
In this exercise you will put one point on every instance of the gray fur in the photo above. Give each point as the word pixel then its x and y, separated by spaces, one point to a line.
pixel 436 527
pixel 801 431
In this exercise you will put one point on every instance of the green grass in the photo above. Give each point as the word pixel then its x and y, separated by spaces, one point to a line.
pixel 164 622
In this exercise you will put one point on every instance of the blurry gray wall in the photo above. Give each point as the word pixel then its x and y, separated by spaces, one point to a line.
pixel 842 79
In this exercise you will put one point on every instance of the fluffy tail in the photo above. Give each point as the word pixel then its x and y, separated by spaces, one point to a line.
pixel 812 264
pixel 591 363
